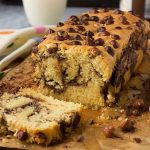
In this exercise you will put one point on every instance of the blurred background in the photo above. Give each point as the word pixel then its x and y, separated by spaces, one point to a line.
pixel 12 14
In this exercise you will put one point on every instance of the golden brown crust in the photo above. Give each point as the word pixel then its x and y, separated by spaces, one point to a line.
pixel 98 50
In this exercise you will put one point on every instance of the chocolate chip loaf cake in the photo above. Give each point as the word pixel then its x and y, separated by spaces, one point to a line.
pixel 36 118
pixel 90 57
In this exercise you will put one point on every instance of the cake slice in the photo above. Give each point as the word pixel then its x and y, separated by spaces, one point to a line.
pixel 36 118
pixel 90 57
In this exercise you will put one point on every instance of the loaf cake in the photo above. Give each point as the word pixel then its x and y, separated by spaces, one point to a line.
pixel 35 118
pixel 90 57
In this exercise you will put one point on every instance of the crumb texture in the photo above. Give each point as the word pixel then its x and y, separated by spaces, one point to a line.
pixel 36 118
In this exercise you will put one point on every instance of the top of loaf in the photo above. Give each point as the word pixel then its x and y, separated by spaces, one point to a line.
pixel 100 32
pixel 98 27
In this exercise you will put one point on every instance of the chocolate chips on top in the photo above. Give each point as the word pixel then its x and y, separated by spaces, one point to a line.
pixel 62 35
pixel 77 37
pixel 94 18
pixel 101 29
pixel 89 33
pixel 109 50
pixel 115 37
pixel 84 17
pixel 107 20
pixel 71 30
pixel 74 18
pixel 99 42
pixel 118 28
pixel 90 41
pixel 80 28
pixel 123 20
pixel 114 43
pixel 95 52
pixel 104 33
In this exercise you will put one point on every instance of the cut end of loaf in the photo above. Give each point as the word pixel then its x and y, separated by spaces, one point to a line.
pixel 36 118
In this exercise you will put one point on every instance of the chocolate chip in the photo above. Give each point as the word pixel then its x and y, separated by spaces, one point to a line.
pixel 83 22
pixel 77 37
pixel 80 28
pixel 123 20
pixel 99 42
pixel 75 120
pixel 118 11
pixel 89 33
pixel 41 135
pixel 109 131
pixel 60 24
pixel 22 135
pixel 137 140
pixel 114 43
pixel 109 50
pixel 84 17
pixel 95 52
pixel 101 29
pixel 115 37
pixel 60 38
pixel 62 35
pixel 127 125
pixel 52 50
pixel 74 18
pixel 81 139
pixel 50 31
pixel 107 20
pixel 104 33
pixel 94 18
pixel 94 11
pixel 71 30
pixel 90 41
pixel 118 28
pixel 75 43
